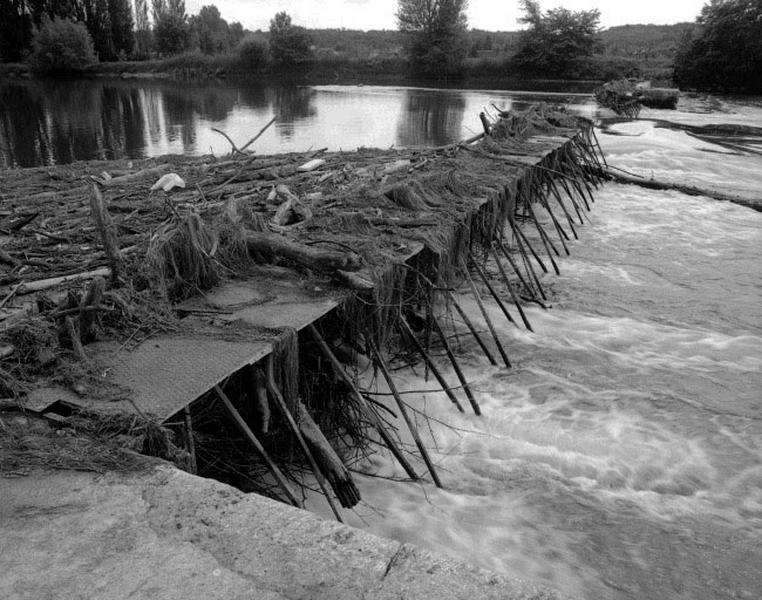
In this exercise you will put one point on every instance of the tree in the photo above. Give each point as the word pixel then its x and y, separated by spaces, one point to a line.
pixel 171 31
pixel 61 45
pixel 142 30
pixel 725 52
pixel 437 28
pixel 557 43
pixel 289 45
pixel 253 51
pixel 211 30
pixel 15 29
pixel 122 25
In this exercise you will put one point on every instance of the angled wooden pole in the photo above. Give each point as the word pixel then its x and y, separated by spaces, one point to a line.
pixel 492 290
pixel 381 363
pixel 471 328
pixel 485 314
pixel 272 388
pixel 456 365
pixel 431 364
pixel 520 237
pixel 515 267
pixel 510 289
pixel 552 189
pixel 545 239
pixel 246 430
pixel 371 414
pixel 191 441
pixel 528 266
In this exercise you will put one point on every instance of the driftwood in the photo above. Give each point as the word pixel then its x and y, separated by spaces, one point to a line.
pixel 270 246
pixel 137 176
pixel 76 343
pixel 330 464
pixel 354 281
pixel 45 284
pixel 292 211
pixel 107 231
pixel 242 149
pixel 656 184
pixel 91 300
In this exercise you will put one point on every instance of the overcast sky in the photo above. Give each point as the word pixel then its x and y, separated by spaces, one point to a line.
pixel 492 15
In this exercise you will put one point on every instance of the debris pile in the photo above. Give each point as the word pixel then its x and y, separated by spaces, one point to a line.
pixel 124 252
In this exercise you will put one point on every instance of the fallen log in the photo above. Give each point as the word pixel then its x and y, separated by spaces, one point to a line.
pixel 330 464
pixel 137 176
pixel 269 246
pixel 656 184
pixel 45 284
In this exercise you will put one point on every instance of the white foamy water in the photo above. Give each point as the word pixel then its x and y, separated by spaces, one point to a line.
pixel 621 457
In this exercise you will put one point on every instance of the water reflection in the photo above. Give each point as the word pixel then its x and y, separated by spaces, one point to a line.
pixel 430 118
pixel 51 122
pixel 292 104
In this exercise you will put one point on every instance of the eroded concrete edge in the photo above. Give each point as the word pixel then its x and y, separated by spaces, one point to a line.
pixel 164 534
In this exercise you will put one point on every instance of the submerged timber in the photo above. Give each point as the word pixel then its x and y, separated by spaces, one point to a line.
pixel 221 324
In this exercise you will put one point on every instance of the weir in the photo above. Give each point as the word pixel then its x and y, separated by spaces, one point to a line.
pixel 250 298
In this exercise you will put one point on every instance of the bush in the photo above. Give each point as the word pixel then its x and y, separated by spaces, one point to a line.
pixel 253 52
pixel 62 46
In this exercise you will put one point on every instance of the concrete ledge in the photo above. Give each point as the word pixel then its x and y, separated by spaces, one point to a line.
pixel 164 534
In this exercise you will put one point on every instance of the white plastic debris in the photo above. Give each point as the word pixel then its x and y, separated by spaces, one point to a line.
pixel 168 182
pixel 315 163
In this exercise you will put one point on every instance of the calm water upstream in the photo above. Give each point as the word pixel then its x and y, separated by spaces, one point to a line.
pixel 55 122
pixel 621 457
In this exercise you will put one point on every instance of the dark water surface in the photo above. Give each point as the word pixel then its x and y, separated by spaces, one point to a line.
pixel 46 122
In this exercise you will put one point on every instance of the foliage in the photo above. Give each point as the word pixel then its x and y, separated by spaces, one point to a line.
pixel 212 33
pixel 253 51
pixel 289 44
pixel 109 23
pixel 437 34
pixel 143 36
pixel 171 31
pixel 557 42
pixel 726 50
pixel 122 24
pixel 62 45
pixel 15 30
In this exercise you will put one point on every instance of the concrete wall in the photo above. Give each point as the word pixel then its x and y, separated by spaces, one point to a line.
pixel 164 534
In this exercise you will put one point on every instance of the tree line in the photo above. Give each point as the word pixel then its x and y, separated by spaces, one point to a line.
pixel 60 35
pixel 722 51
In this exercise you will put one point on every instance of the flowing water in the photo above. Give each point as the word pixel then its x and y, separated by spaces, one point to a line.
pixel 621 457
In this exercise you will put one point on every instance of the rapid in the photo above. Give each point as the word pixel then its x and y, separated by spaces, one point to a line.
pixel 621 456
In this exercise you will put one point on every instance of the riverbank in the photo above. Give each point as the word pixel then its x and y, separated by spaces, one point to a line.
pixel 196 67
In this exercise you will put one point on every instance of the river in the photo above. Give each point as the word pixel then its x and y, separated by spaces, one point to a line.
pixel 621 457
